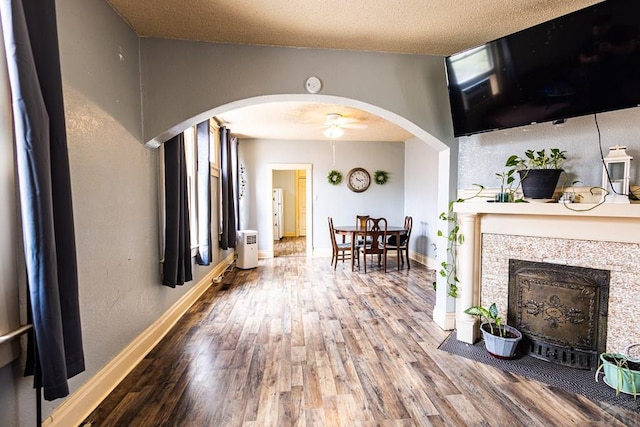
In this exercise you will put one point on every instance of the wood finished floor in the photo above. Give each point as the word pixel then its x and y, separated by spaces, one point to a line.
pixel 289 246
pixel 295 343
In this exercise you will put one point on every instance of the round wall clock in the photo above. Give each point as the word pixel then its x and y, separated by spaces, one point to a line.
pixel 358 180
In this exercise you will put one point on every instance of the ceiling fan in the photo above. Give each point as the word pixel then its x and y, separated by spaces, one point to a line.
pixel 334 124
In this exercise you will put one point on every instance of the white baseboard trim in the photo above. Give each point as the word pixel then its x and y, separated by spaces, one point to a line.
pixel 83 401
pixel 423 259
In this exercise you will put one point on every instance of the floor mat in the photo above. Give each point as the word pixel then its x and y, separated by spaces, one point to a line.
pixel 570 379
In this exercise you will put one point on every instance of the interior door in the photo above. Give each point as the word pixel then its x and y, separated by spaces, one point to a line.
pixel 301 202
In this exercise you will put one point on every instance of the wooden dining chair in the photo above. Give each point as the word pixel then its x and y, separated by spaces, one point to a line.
pixel 402 246
pixel 376 242
pixel 361 222
pixel 339 250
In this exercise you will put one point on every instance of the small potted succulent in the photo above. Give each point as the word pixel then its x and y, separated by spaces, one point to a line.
pixel 500 340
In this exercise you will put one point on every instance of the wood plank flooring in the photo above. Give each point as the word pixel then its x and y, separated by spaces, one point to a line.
pixel 295 343
pixel 290 246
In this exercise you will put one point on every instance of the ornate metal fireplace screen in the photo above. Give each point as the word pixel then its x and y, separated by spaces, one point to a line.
pixel 560 310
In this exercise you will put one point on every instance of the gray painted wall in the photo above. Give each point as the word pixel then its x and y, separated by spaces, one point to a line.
pixel 181 80
pixel 421 193
pixel 115 186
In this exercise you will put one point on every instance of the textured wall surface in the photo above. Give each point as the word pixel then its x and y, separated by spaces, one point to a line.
pixel 482 155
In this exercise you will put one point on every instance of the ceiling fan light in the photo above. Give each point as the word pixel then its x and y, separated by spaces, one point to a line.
pixel 333 132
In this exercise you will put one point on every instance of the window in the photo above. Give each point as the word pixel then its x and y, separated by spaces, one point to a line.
pixel 214 152
pixel 191 157
pixel 198 198
pixel 472 64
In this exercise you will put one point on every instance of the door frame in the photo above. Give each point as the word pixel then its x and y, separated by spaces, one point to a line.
pixel 308 167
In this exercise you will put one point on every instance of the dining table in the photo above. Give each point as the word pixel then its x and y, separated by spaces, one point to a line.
pixel 356 230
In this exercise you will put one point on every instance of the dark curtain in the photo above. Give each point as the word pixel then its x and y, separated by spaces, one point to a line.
pixel 204 194
pixel 228 166
pixel 176 268
pixel 31 45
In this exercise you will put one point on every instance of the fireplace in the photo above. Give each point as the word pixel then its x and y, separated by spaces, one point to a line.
pixel 561 311
pixel 605 237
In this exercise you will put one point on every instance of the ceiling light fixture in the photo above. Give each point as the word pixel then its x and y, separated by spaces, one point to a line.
pixel 333 132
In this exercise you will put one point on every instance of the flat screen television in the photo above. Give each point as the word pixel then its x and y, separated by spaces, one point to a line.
pixel 582 63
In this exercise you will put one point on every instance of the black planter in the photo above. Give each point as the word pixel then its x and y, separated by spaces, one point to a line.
pixel 539 183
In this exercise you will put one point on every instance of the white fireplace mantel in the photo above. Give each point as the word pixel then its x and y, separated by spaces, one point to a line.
pixel 618 223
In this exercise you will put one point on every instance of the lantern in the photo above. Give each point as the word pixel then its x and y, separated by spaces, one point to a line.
pixel 615 175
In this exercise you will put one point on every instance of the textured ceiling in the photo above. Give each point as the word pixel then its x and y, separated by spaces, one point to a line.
pixel 431 27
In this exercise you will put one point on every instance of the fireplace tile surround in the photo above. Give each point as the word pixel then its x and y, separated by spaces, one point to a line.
pixel 606 237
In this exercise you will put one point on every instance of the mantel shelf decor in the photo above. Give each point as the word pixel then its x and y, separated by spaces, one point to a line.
pixel 615 175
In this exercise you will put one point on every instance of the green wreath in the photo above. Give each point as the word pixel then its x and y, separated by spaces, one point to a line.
pixel 381 177
pixel 334 177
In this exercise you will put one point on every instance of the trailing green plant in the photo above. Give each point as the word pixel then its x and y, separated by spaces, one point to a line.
pixel 552 159
pixel 448 267
pixel 538 159
pixel 491 317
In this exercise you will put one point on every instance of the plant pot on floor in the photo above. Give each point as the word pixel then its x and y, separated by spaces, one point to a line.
pixel 501 347
pixel 620 373
pixel 539 183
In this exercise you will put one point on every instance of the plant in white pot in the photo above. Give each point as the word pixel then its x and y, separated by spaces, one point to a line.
pixel 500 340
pixel 539 171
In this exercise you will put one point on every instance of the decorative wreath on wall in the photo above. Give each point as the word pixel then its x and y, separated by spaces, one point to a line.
pixel 381 177
pixel 334 177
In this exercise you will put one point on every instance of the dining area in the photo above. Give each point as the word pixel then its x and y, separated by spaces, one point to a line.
pixel 371 239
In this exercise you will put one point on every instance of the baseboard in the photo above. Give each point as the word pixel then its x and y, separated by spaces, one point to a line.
pixel 83 401
pixel 428 262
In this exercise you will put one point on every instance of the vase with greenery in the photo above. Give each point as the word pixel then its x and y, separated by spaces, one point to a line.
pixel 506 193
pixel 500 340
pixel 539 171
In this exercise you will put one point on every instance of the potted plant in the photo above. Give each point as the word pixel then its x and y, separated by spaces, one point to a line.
pixel 539 171
pixel 500 340
pixel 621 373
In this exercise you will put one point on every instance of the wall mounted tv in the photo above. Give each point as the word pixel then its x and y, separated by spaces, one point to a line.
pixel 582 63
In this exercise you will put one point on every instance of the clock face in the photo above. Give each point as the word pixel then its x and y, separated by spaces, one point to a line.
pixel 358 180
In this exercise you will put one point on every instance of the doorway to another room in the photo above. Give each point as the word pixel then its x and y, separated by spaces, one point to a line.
pixel 289 212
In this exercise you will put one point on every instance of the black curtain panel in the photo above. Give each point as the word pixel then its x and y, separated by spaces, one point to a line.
pixel 176 268
pixel 204 194
pixel 31 45
pixel 228 165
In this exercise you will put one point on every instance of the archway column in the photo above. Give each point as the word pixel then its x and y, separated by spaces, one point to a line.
pixel 469 276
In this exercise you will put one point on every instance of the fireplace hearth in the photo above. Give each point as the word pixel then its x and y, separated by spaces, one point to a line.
pixel 561 311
